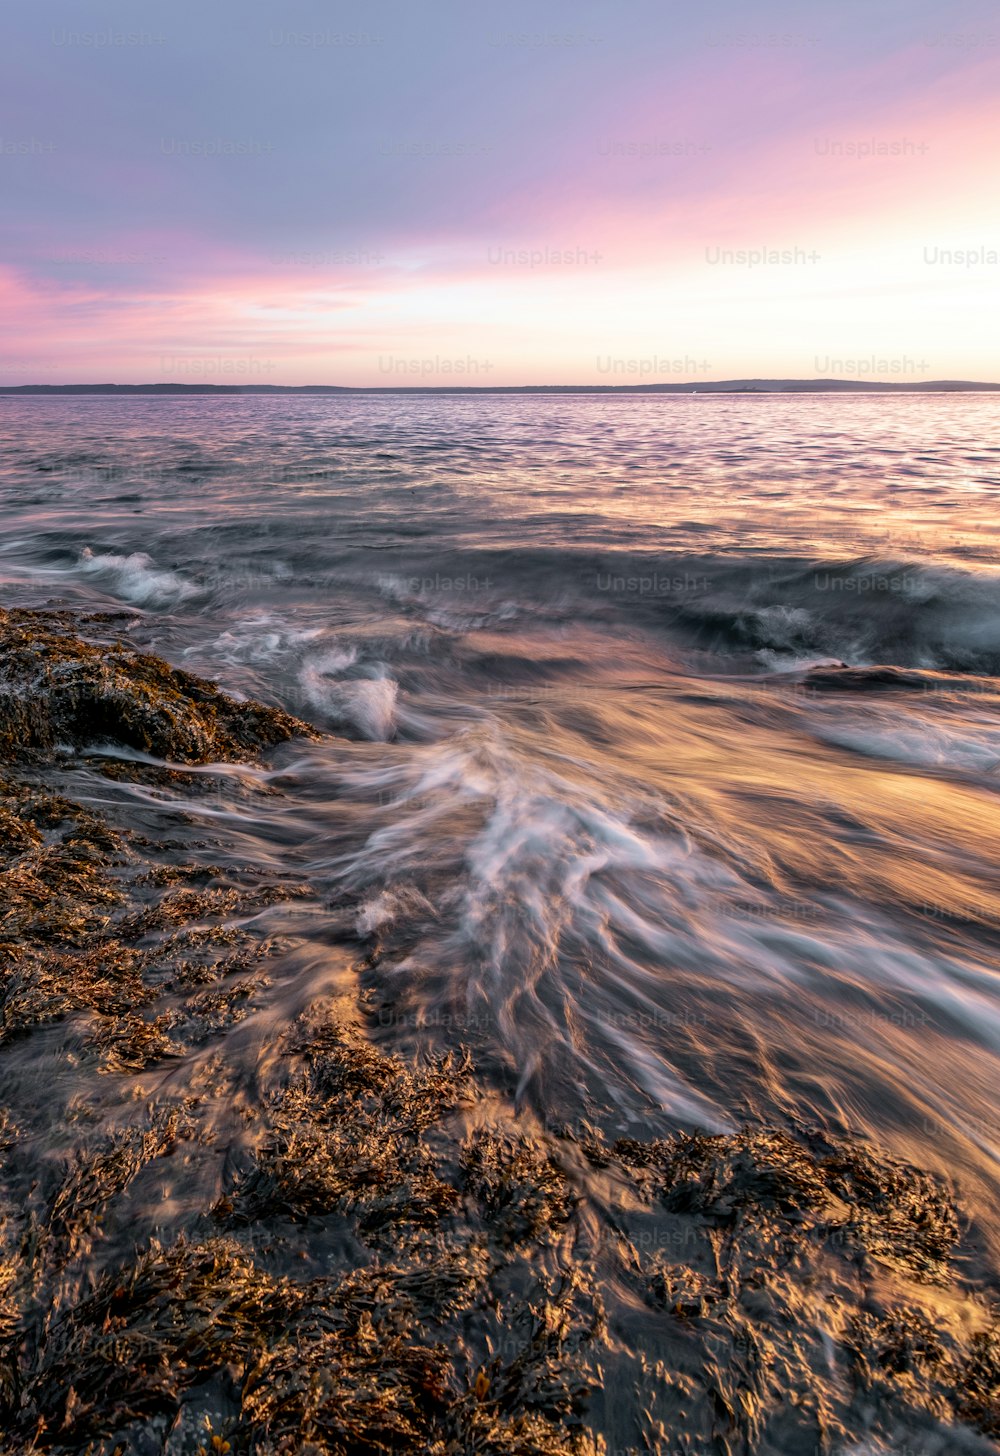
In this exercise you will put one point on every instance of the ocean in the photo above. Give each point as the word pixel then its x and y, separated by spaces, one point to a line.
pixel 659 754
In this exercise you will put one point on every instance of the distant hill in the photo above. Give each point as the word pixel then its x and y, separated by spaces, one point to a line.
pixel 719 386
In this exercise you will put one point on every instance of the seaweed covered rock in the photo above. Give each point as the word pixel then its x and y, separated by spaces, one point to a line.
pixel 980 1400
pixel 807 1294
pixel 321 1366
pixel 89 925
pixel 345 1136
pixel 876 1206
pixel 58 689
pixel 393 1266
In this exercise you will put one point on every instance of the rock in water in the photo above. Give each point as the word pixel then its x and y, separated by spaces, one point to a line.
pixel 58 689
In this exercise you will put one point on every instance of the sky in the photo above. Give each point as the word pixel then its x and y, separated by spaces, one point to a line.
pixel 445 192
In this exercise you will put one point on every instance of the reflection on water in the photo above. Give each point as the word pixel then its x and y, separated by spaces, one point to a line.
pixel 585 807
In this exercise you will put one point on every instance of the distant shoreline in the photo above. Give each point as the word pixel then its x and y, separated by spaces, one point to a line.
pixel 725 386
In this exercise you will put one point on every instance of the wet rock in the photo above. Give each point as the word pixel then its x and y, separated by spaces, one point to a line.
pixel 872 1204
pixel 88 924
pixel 525 1195
pixel 980 1382
pixel 330 1302
pixel 57 689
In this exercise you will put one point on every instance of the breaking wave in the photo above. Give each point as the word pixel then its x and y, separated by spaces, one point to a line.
pixel 136 578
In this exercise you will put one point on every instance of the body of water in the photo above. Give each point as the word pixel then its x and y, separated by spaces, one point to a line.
pixel 595 797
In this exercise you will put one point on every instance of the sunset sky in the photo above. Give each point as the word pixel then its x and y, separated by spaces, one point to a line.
pixel 435 193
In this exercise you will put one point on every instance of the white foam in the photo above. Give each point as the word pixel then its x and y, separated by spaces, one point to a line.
pixel 367 704
pixel 136 578
pixel 970 747
pixel 260 639
pixel 584 922
pixel 370 704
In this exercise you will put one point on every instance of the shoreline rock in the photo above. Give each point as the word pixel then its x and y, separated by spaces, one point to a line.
pixel 58 689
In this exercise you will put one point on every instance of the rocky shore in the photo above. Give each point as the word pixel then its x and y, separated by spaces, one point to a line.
pixel 299 1243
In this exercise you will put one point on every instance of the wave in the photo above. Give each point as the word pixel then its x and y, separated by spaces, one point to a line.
pixel 860 612
pixel 595 941
pixel 262 639
pixel 366 703
pixel 136 578
pixel 968 747
pixel 435 598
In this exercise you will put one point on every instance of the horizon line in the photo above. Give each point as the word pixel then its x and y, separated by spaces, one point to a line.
pixel 741 386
